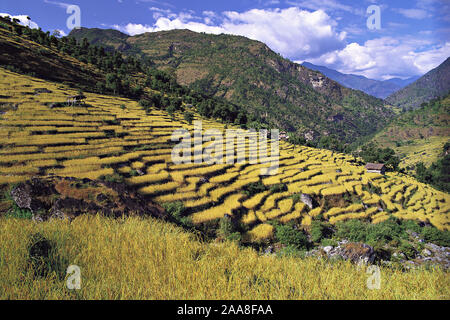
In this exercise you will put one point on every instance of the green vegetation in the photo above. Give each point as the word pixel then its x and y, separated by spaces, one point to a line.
pixel 432 85
pixel 438 174
pixel 389 230
pixel 271 91
pixel 373 154
pixel 288 235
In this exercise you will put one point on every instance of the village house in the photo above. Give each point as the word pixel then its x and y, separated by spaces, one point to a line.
pixel 376 168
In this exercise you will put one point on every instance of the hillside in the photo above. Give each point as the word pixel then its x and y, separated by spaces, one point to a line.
pixel 376 88
pixel 109 197
pixel 434 84
pixel 249 74
pixel 419 135
pixel 114 138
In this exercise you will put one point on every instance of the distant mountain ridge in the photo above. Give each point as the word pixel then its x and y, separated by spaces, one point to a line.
pixel 376 88
pixel 434 84
pixel 249 74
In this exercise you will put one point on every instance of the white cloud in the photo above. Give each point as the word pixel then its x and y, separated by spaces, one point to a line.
pixel 61 32
pixel 23 20
pixel 59 4
pixel 414 13
pixel 295 33
pixel 386 57
pixel 326 5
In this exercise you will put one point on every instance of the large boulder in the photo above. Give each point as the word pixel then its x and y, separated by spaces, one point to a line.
pixel 306 199
pixel 358 253
pixel 58 197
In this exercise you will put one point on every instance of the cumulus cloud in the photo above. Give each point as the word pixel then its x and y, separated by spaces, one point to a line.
pixel 23 20
pixel 386 57
pixel 295 33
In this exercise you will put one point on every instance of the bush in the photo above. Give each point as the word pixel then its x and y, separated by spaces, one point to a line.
pixel 288 236
pixel 329 242
pixel 320 231
pixel 175 209
pixel 408 249
pixel 189 117
pixel 436 236
pixel 225 228
pixel 385 231
pixel 254 188
pixel 145 103
pixel 278 188
pixel 353 230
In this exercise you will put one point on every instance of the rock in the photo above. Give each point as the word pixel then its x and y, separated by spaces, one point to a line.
pixel 426 253
pixel 62 198
pixel 359 253
pixel 399 255
pixel 269 250
pixel 204 180
pixel 306 199
pixel 328 249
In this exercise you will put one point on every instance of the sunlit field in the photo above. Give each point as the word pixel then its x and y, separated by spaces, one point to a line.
pixel 116 137
pixel 150 259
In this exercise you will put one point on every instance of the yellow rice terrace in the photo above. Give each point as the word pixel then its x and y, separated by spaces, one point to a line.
pixel 114 137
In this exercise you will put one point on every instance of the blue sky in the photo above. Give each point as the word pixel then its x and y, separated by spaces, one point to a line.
pixel 414 36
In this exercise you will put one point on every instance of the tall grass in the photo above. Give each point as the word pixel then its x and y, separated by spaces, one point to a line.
pixel 149 259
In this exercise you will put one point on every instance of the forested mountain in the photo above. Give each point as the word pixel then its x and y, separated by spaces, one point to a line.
pixel 376 88
pixel 247 73
pixel 434 84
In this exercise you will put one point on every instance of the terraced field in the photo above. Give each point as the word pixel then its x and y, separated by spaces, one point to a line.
pixel 116 137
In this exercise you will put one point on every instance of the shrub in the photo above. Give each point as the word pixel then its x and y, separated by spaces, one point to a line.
pixel 175 209
pixel 279 188
pixel 16 212
pixel 408 249
pixel 145 103
pixel 225 227
pixel 43 258
pixel 320 231
pixel 254 188
pixel 288 236
pixel 432 234
pixel 189 117
pixel 353 230
pixel 329 242
pixel 385 231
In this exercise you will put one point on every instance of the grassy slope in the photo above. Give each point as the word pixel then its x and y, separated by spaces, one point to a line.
pixel 419 135
pixel 156 268
pixel 248 73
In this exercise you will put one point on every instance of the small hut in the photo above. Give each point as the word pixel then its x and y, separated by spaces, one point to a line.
pixel 76 100
pixel 376 168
